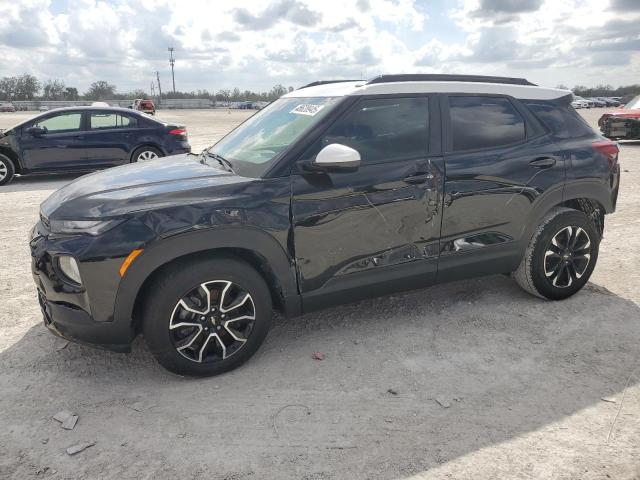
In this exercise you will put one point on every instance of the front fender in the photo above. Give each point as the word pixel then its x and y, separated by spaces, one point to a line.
pixel 247 238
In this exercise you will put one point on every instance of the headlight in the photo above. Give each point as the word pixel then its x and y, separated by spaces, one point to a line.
pixel 90 227
pixel 69 267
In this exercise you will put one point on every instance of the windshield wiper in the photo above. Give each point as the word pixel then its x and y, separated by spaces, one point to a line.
pixel 221 160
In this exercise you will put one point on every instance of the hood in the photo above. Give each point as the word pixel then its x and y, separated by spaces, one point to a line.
pixel 164 182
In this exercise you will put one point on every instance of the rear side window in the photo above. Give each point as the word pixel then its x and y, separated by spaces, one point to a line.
pixel 484 122
pixel 98 121
pixel 383 130
pixel 561 119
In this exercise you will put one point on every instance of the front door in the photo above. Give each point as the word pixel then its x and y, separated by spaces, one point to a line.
pixel 376 229
pixel 61 146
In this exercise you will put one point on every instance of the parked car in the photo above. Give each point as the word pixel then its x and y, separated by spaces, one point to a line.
pixel 144 105
pixel 609 102
pixel 579 102
pixel 623 124
pixel 86 138
pixel 7 107
pixel 331 194
pixel 597 102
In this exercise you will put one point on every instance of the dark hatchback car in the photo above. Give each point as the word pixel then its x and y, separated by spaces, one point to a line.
pixel 333 193
pixel 84 139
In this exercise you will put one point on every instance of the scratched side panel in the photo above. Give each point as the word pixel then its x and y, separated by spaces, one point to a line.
pixel 490 198
pixel 352 223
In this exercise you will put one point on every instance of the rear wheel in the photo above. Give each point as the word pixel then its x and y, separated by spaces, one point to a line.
pixel 206 317
pixel 144 154
pixel 7 170
pixel 561 255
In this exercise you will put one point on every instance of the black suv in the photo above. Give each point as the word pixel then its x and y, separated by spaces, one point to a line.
pixel 85 139
pixel 333 193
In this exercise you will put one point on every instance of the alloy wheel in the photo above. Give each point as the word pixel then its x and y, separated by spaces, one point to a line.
pixel 212 321
pixel 567 256
pixel 3 170
pixel 146 156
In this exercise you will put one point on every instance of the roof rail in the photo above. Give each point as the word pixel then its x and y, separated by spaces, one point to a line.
pixel 430 77
pixel 324 82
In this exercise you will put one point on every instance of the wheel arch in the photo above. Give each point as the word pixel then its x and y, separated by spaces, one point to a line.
pixel 13 156
pixel 258 249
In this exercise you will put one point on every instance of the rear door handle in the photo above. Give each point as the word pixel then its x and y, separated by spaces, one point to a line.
pixel 543 162
pixel 419 178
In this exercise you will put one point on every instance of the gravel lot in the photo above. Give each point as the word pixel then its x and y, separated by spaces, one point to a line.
pixel 489 382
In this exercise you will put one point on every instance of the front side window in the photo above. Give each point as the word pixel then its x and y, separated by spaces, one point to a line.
pixel 484 122
pixel 252 146
pixel 98 121
pixel 66 122
pixel 383 129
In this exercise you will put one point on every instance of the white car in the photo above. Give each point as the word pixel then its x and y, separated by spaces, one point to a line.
pixel 579 102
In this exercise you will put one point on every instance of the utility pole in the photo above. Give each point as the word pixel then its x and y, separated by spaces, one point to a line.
pixel 171 62
pixel 153 89
pixel 159 88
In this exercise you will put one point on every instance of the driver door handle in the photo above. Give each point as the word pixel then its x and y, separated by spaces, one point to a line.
pixel 419 178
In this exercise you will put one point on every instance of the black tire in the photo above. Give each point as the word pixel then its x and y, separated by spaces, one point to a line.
pixel 174 284
pixel 139 152
pixel 557 272
pixel 7 170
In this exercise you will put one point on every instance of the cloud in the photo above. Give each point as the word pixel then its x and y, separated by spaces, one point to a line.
pixel 488 7
pixel 625 5
pixel 228 37
pixel 289 10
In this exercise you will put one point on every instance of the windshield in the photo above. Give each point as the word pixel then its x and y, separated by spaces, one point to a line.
pixel 633 103
pixel 252 146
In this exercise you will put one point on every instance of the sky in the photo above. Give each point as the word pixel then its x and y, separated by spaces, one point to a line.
pixel 254 45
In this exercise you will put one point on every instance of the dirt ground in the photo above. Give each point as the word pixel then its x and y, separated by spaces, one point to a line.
pixel 473 379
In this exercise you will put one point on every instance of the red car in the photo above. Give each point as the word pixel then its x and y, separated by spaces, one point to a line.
pixel 144 105
pixel 622 124
pixel 7 107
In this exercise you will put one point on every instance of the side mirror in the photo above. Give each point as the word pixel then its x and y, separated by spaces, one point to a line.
pixel 336 156
pixel 36 131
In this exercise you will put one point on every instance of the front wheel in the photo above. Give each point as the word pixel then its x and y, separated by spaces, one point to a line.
pixel 561 255
pixel 7 170
pixel 205 317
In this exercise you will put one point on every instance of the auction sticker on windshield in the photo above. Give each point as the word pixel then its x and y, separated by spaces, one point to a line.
pixel 307 109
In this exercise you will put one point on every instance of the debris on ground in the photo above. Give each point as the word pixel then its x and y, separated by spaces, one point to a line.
pixel 70 422
pixel 318 356
pixel 443 402
pixel 609 399
pixel 392 391
pixel 273 419
pixel 142 406
pixel 42 470
pixel 77 448
pixel 181 435
pixel 62 416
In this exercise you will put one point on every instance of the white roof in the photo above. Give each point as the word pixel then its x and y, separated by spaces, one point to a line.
pixel 361 88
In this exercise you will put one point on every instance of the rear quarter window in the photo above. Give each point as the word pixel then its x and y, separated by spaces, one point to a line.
pixel 484 122
pixel 561 119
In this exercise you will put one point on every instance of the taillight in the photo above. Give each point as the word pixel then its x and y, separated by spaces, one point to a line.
pixel 178 131
pixel 608 149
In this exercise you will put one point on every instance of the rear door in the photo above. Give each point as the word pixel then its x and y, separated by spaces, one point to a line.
pixel 109 137
pixel 502 172
pixel 376 229
pixel 62 146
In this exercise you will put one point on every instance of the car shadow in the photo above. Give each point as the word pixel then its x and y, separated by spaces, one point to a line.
pixel 408 382
pixel 28 183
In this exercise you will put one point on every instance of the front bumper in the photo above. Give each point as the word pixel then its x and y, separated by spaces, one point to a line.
pixel 620 128
pixel 69 311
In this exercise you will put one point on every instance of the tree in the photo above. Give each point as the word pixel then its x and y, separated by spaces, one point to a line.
pixel 27 86
pixel 100 90
pixel 53 89
pixel 71 93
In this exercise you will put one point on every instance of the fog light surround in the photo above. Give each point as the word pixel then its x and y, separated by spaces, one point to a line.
pixel 69 267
